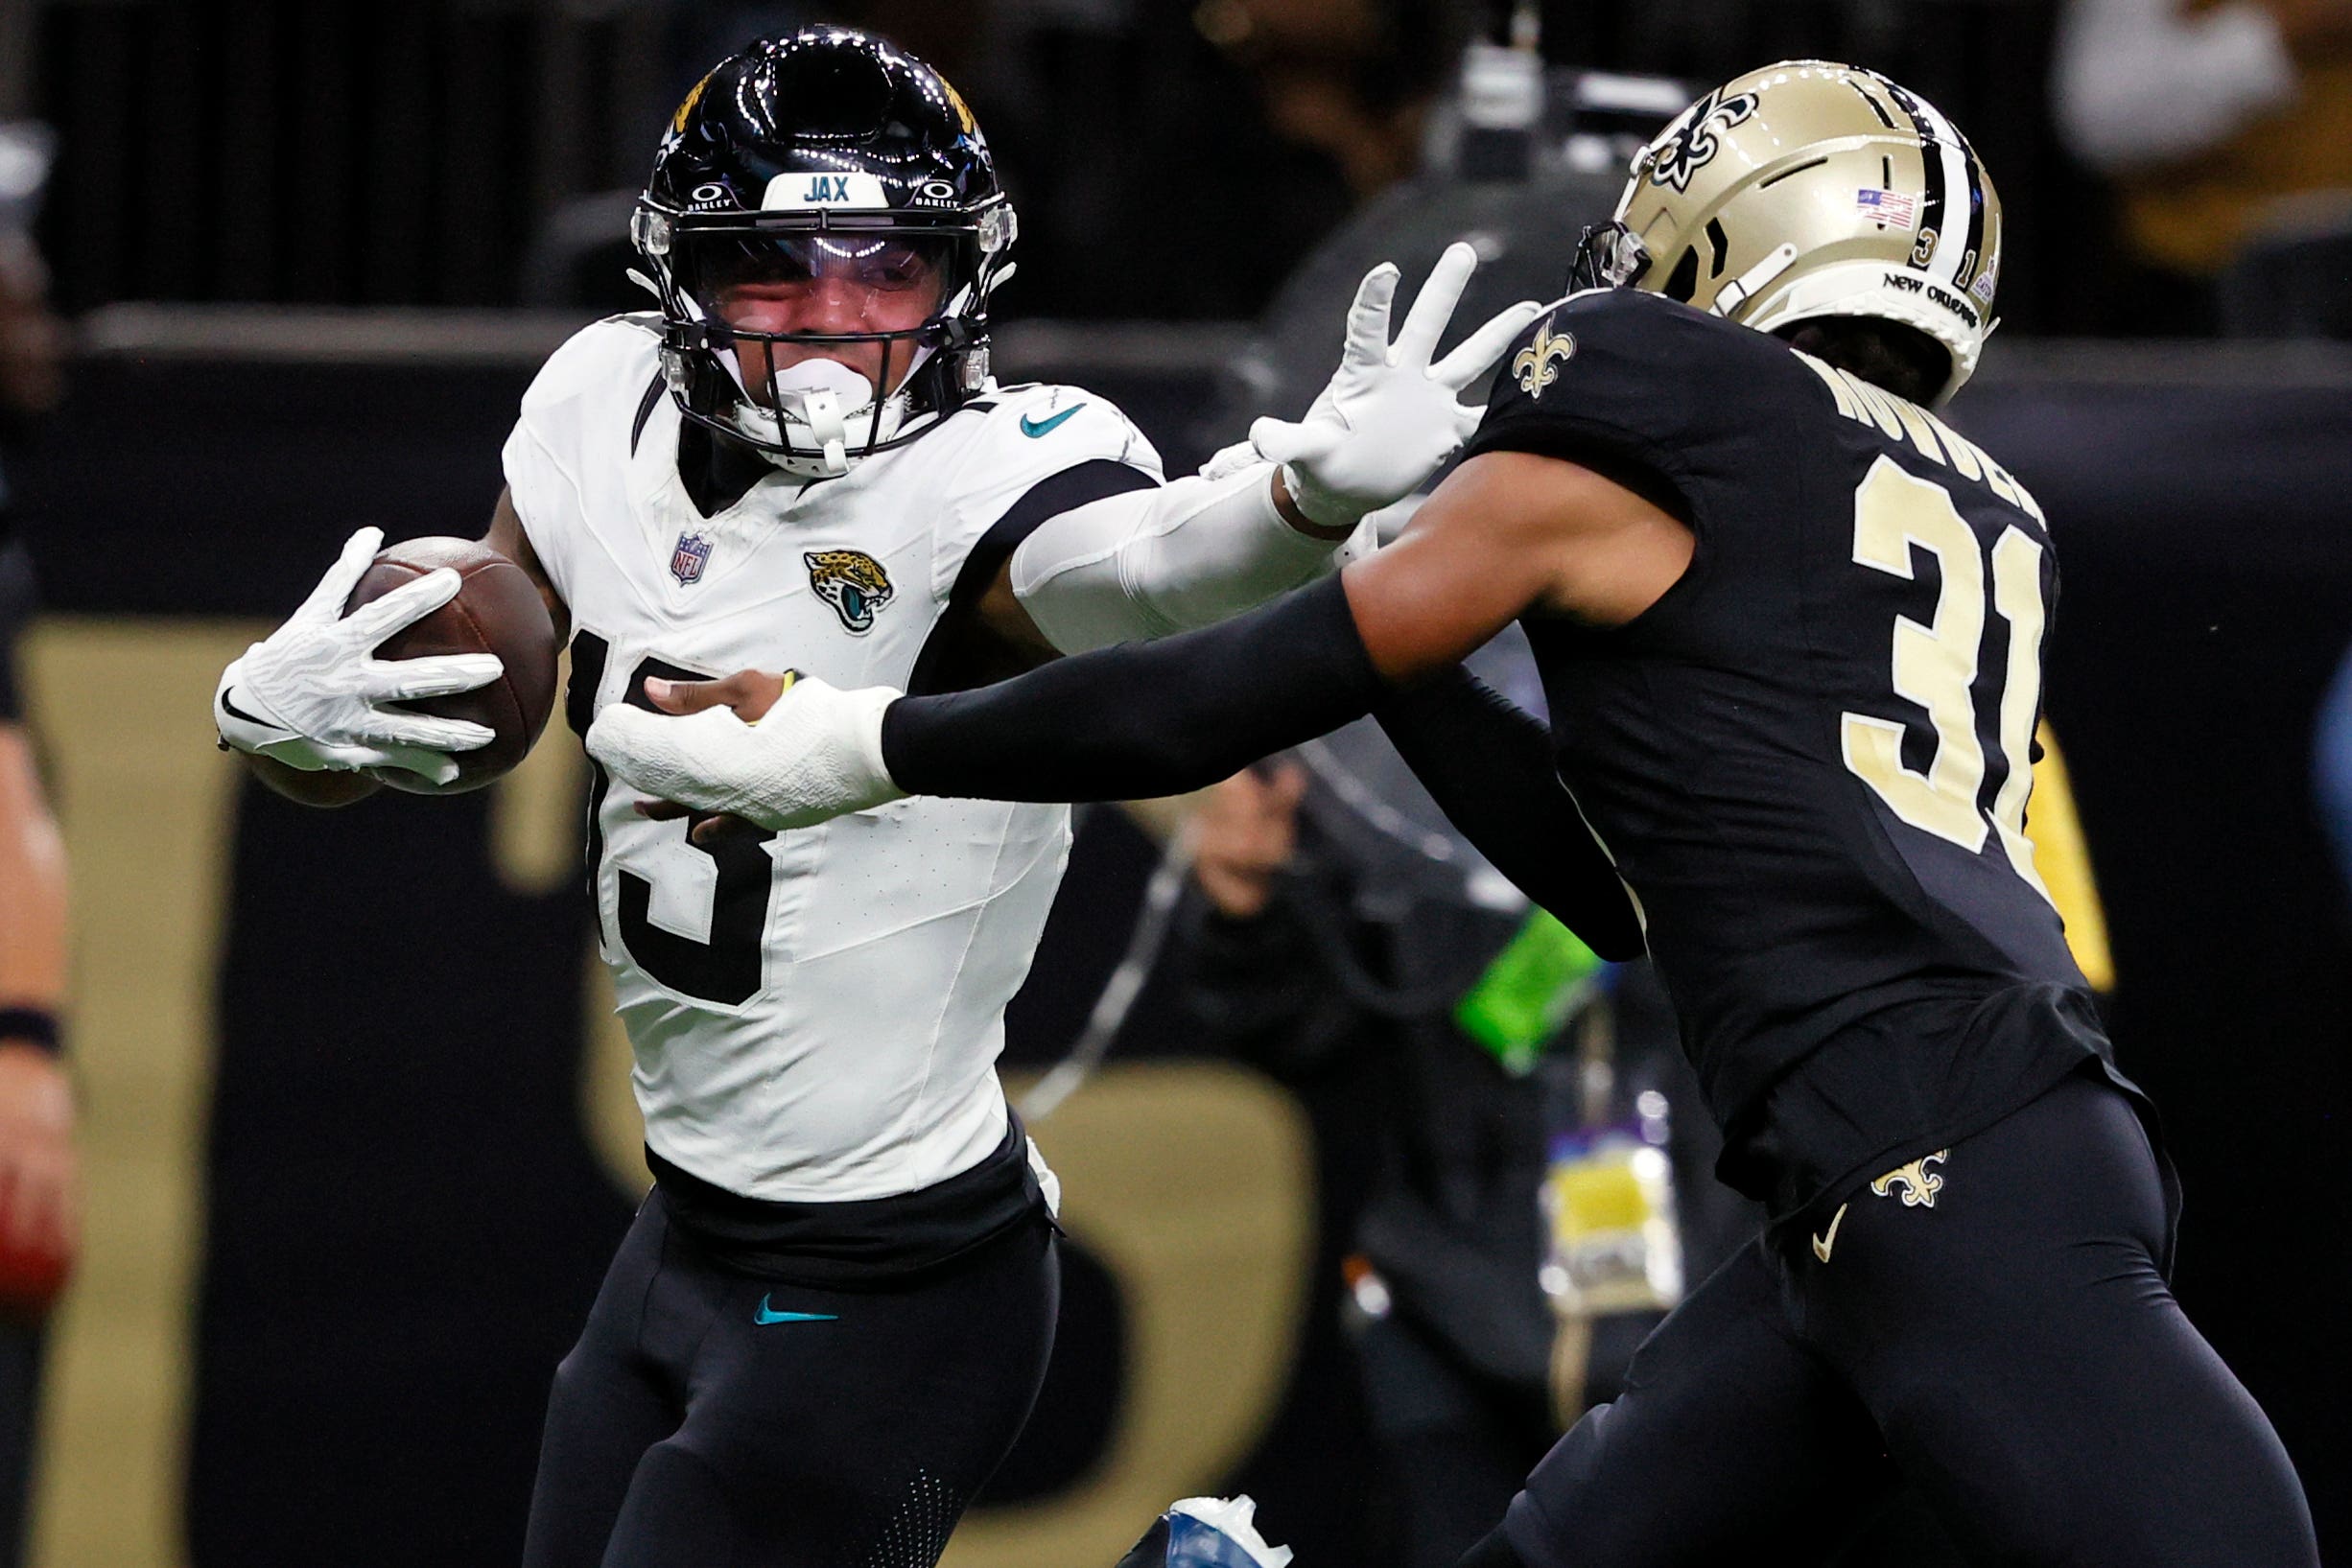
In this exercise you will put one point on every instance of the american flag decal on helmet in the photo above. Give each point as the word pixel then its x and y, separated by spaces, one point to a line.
pixel 686 561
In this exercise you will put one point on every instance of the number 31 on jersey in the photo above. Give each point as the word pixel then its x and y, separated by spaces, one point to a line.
pixel 1936 665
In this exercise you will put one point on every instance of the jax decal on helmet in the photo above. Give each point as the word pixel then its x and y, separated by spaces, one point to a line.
pixel 1810 189
pixel 827 155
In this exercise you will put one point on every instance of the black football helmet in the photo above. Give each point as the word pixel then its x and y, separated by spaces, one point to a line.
pixel 824 153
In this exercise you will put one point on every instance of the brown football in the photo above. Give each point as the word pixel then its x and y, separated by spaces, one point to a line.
pixel 498 610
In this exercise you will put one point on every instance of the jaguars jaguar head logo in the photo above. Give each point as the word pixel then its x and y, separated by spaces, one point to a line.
pixel 853 582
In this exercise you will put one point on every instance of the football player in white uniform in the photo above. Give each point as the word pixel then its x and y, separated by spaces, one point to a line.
pixel 832 1315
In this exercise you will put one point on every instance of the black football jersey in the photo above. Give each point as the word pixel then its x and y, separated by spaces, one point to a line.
pixel 1811 758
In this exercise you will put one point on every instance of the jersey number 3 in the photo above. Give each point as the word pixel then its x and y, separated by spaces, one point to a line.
pixel 727 968
pixel 1936 667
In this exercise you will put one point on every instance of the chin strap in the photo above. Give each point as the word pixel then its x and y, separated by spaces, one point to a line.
pixel 821 412
pixel 1754 281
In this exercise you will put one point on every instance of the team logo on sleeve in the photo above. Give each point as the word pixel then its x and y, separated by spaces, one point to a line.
pixel 1693 142
pixel 686 561
pixel 853 582
pixel 1537 364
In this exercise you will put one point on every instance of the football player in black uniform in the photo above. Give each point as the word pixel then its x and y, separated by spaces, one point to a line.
pixel 1790 626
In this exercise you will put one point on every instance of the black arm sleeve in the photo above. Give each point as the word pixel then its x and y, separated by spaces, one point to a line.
pixel 1143 718
pixel 1489 765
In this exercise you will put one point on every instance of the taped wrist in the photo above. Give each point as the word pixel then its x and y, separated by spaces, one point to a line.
pixel 1144 719
pixel 1151 562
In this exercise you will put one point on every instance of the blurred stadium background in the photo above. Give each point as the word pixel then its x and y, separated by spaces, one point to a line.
pixel 355 1127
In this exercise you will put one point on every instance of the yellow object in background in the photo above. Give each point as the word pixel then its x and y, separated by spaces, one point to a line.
pixel 1609 1197
pixel 2065 861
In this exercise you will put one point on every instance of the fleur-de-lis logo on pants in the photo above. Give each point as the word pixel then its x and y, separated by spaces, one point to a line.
pixel 1919 1183
pixel 1534 364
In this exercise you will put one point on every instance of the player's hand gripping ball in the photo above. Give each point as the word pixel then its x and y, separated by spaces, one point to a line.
pixel 498 610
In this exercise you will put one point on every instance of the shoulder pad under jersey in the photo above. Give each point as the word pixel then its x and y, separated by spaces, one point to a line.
pixel 1046 446
pixel 1632 375
pixel 1041 428
pixel 612 361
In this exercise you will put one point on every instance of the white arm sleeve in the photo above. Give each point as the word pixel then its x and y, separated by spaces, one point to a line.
pixel 1149 562
pixel 2138 82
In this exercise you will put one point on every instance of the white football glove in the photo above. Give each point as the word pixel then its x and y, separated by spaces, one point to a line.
pixel 311 694
pixel 815 756
pixel 1389 417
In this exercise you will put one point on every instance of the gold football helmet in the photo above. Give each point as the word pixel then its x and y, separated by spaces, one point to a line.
pixel 1810 189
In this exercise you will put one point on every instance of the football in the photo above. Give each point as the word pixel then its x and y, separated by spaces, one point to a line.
pixel 498 610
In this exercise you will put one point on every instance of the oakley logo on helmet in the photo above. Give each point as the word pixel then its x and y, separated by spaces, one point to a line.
pixel 853 582
pixel 798 191
pixel 1692 145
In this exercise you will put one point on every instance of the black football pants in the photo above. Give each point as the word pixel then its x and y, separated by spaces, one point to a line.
pixel 710 1419
pixel 2010 1351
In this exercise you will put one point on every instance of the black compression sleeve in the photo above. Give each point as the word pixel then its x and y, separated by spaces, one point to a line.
pixel 1491 768
pixel 1143 718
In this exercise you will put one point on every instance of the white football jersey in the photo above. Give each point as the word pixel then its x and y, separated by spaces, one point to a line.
pixel 815 1014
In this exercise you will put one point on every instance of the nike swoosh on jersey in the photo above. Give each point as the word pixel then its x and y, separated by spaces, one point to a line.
pixel 767 1315
pixel 229 701
pixel 1829 1237
pixel 1034 427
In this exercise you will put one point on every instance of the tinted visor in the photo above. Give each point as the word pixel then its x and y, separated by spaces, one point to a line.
pixel 805 281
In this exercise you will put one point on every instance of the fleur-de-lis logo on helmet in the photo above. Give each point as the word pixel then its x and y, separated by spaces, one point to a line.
pixel 1692 143
pixel 1535 365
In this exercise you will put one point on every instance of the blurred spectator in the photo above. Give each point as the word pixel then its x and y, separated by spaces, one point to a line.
pixel 2228 127
pixel 37 1222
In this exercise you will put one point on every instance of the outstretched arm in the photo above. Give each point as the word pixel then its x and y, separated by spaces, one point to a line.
pixel 1488 764
pixel 1505 533
pixel 1263 517
pixel 1508 532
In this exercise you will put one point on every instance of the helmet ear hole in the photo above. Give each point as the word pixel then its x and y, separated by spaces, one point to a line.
pixel 1683 282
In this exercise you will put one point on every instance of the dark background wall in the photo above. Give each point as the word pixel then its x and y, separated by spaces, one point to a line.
pixel 349 153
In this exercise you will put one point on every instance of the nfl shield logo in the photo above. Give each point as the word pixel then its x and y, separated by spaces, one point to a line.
pixel 686 561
